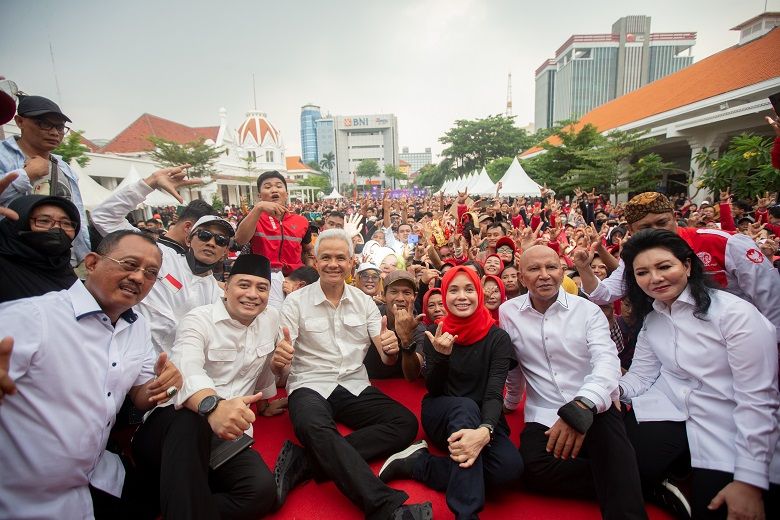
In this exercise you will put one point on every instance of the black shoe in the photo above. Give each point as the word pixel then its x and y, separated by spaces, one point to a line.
pixel 422 511
pixel 292 468
pixel 669 496
pixel 399 465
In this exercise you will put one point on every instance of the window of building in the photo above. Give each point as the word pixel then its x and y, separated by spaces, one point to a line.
pixel 251 156
pixel 269 156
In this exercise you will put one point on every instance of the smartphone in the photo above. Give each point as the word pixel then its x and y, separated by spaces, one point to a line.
pixel 775 100
pixel 414 239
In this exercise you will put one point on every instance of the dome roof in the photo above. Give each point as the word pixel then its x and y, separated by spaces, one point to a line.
pixel 255 128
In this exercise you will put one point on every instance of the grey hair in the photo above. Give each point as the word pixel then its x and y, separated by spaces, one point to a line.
pixel 338 234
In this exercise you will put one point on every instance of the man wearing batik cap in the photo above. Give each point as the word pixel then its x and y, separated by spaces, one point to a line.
pixel 224 350
pixel 733 261
pixel 42 127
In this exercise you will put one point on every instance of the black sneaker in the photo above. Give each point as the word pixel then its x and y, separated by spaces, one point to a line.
pixel 399 465
pixel 669 496
pixel 422 511
pixel 292 468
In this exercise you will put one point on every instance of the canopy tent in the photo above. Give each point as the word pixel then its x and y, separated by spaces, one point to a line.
pixel 156 198
pixel 92 193
pixel 333 195
pixel 483 186
pixel 473 179
pixel 516 182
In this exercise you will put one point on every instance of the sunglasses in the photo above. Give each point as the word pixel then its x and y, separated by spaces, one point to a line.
pixel 206 235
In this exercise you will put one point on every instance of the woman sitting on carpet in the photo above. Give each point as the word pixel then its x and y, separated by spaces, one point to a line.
pixel 467 361
pixel 703 382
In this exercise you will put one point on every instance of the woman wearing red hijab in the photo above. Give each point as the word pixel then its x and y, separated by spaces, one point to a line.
pixel 495 294
pixel 432 307
pixel 467 361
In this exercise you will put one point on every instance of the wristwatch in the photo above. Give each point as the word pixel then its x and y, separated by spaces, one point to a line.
pixel 489 428
pixel 588 403
pixel 208 404
pixel 409 349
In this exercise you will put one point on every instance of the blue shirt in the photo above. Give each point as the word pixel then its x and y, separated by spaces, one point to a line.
pixel 12 160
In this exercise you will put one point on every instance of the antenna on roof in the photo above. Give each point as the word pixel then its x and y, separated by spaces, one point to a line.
pixel 54 70
pixel 509 96
pixel 254 91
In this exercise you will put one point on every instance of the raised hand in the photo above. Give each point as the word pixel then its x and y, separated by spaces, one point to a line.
pixel 36 168
pixel 352 224
pixel 386 343
pixel 4 183
pixel 442 341
pixel 725 196
pixel 272 208
pixel 283 354
pixel 7 385
pixel 774 123
pixel 171 179
pixel 232 417
pixel 168 376
pixel 582 258
pixel 405 325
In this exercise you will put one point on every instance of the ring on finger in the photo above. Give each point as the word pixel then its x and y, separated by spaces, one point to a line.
pixel 171 391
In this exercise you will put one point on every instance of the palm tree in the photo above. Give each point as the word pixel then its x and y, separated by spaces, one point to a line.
pixel 327 163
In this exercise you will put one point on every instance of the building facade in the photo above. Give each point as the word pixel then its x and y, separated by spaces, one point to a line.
pixel 309 115
pixel 416 160
pixel 589 70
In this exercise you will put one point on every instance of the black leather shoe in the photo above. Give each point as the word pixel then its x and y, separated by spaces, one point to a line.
pixel 422 511
pixel 292 468
pixel 399 466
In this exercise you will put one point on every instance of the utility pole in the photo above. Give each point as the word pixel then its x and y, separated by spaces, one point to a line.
pixel 509 96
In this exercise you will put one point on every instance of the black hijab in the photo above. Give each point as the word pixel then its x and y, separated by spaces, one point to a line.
pixel 26 271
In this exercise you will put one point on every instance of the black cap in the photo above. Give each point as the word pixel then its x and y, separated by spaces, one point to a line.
pixel 271 175
pixel 255 265
pixel 34 106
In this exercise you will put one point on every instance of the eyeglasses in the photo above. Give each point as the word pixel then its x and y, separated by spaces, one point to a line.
pixel 369 277
pixel 48 223
pixel 206 235
pixel 46 125
pixel 130 266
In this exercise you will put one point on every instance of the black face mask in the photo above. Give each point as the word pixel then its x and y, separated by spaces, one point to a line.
pixel 53 242
pixel 196 266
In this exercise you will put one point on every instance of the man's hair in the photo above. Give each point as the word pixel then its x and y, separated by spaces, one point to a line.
pixel 495 225
pixel 744 205
pixel 335 233
pixel 306 274
pixel 111 240
pixel 336 214
pixel 195 210
pixel 152 221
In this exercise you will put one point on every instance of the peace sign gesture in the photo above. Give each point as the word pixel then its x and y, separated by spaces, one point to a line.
pixel 442 341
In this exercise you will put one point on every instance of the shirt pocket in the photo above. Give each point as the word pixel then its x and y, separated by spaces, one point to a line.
pixel 356 329
pixel 221 360
pixel 316 329
pixel 265 348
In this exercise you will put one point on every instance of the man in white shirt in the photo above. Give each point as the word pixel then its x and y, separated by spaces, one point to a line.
pixel 76 354
pixel 328 328
pixel 185 279
pixel 569 367
pixel 224 351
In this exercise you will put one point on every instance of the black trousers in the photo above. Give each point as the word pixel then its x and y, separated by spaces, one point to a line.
pixel 381 427
pixel 605 468
pixel 662 449
pixel 498 464
pixel 172 449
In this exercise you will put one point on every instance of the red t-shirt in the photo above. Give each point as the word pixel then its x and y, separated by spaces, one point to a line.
pixel 281 241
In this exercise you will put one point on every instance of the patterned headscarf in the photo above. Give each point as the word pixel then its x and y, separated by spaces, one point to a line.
pixel 649 202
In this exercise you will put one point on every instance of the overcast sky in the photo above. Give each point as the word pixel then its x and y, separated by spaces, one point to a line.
pixel 429 62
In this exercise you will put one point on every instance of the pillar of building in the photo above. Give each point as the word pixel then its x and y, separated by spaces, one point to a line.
pixel 701 141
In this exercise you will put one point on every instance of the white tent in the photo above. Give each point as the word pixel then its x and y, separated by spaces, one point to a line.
pixel 516 182
pixel 473 179
pixel 334 195
pixel 92 193
pixel 156 198
pixel 483 186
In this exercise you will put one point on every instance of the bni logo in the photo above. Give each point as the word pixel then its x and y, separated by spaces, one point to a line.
pixel 347 121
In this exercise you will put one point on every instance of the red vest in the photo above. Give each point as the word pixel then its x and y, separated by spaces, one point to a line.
pixel 710 246
pixel 281 241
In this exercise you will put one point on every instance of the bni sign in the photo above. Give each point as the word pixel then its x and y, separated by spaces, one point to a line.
pixel 355 121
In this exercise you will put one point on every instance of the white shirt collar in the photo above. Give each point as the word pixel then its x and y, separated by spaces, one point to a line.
pixel 84 304
pixel 562 300
pixel 685 298
pixel 319 296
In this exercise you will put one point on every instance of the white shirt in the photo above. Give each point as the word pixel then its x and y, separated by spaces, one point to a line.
pixel 330 342
pixel 72 370
pixel 179 290
pixel 564 353
pixel 212 350
pixel 719 375
pixel 748 275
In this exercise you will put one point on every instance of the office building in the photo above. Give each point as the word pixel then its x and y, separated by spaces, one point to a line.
pixel 589 70
pixel 416 160
pixel 309 115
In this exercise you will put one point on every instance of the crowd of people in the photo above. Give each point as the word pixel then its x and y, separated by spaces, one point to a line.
pixel 640 340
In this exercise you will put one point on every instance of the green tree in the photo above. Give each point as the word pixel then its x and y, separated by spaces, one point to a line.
pixel 498 167
pixel 430 176
pixel 200 156
pixel 328 162
pixel 745 167
pixel 472 144
pixel 319 181
pixel 367 168
pixel 216 202
pixel 314 165
pixel 71 148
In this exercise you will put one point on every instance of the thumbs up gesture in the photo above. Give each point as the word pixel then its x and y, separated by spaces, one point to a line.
pixel 386 343
pixel 442 341
pixel 283 354
pixel 7 385
pixel 168 377
pixel 232 417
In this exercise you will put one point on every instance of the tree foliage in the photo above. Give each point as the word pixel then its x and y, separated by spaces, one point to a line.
pixel 71 148
pixel 217 203
pixel 200 156
pixel 745 167
pixel 498 167
pixel 367 168
pixel 319 181
pixel 393 172
pixel 431 175
pixel 472 144
pixel 327 162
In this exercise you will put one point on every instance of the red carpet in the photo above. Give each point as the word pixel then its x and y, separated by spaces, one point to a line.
pixel 313 501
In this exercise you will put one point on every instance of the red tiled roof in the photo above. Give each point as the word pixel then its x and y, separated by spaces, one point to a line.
pixel 135 138
pixel 294 162
pixel 89 144
pixel 730 69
